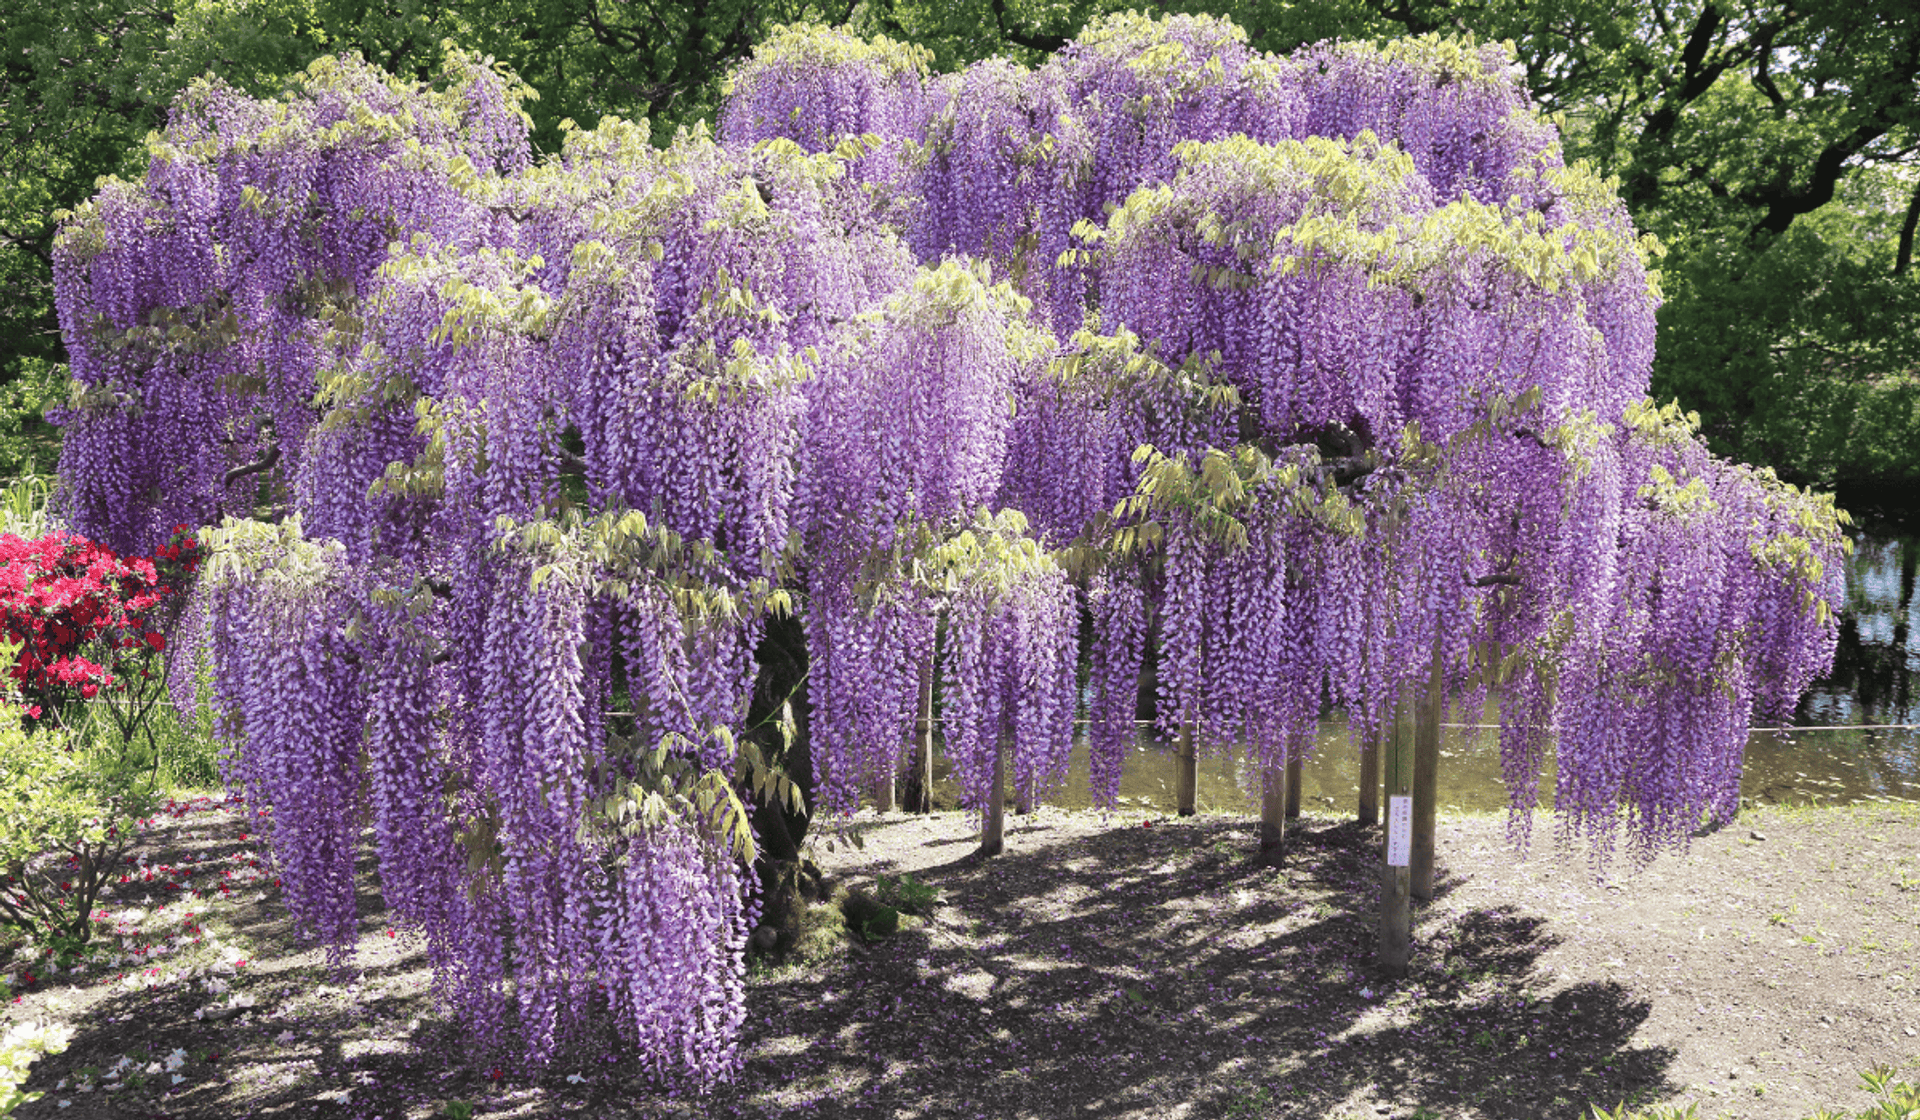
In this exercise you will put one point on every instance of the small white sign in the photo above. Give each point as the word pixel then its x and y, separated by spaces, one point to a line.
pixel 1399 831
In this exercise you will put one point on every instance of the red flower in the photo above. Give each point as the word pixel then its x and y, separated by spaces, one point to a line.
pixel 156 640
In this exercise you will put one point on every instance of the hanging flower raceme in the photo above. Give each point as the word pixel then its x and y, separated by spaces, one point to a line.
pixel 870 635
pixel 1460 110
pixel 821 87
pixel 1079 420
pixel 981 167
pixel 295 709
pixel 907 432
pixel 1119 608
pixel 1720 612
pixel 195 302
pixel 1239 541
pixel 1115 105
pixel 1007 666
pixel 676 930
pixel 907 425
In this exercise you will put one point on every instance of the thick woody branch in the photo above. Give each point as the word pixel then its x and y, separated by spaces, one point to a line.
pixel 1536 437
pixel 263 463
pixel 1497 579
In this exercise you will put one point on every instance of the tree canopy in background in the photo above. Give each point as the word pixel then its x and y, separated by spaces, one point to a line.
pixel 1771 145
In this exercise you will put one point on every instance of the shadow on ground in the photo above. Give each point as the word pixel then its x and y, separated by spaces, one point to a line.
pixel 1163 971
pixel 1134 972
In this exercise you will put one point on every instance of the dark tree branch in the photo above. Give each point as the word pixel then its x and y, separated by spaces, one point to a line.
pixel 1497 579
pixel 264 463
pixel 1660 18
pixel 1695 54
pixel 1784 202
pixel 616 38
pixel 38 245
pixel 1045 44
pixel 1700 68
pixel 1416 23
pixel 1763 77
pixel 1346 472
pixel 1903 257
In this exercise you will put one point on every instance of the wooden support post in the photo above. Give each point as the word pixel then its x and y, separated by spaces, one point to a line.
pixel 922 781
pixel 1426 774
pixel 1186 774
pixel 883 793
pixel 1294 770
pixel 1370 749
pixel 992 829
pixel 1275 784
pixel 1396 911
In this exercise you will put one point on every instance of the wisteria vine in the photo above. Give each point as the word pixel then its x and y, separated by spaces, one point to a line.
pixel 1290 373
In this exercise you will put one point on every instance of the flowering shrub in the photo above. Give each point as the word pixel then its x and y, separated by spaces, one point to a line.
pixel 81 616
pixel 68 807
pixel 77 623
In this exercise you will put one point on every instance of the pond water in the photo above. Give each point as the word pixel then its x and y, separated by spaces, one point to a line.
pixel 1855 736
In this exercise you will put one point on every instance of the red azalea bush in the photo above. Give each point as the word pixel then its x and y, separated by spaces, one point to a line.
pixel 76 619
pixel 80 614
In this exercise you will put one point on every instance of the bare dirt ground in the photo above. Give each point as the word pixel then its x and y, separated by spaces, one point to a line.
pixel 1102 967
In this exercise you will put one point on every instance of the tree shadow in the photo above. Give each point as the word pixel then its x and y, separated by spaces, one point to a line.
pixel 1131 973
pixel 1164 971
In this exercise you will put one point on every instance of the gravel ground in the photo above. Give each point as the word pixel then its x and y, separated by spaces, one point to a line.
pixel 1106 966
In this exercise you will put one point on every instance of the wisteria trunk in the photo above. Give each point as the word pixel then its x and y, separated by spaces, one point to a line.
pixel 993 822
pixel 920 782
pixel 1295 769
